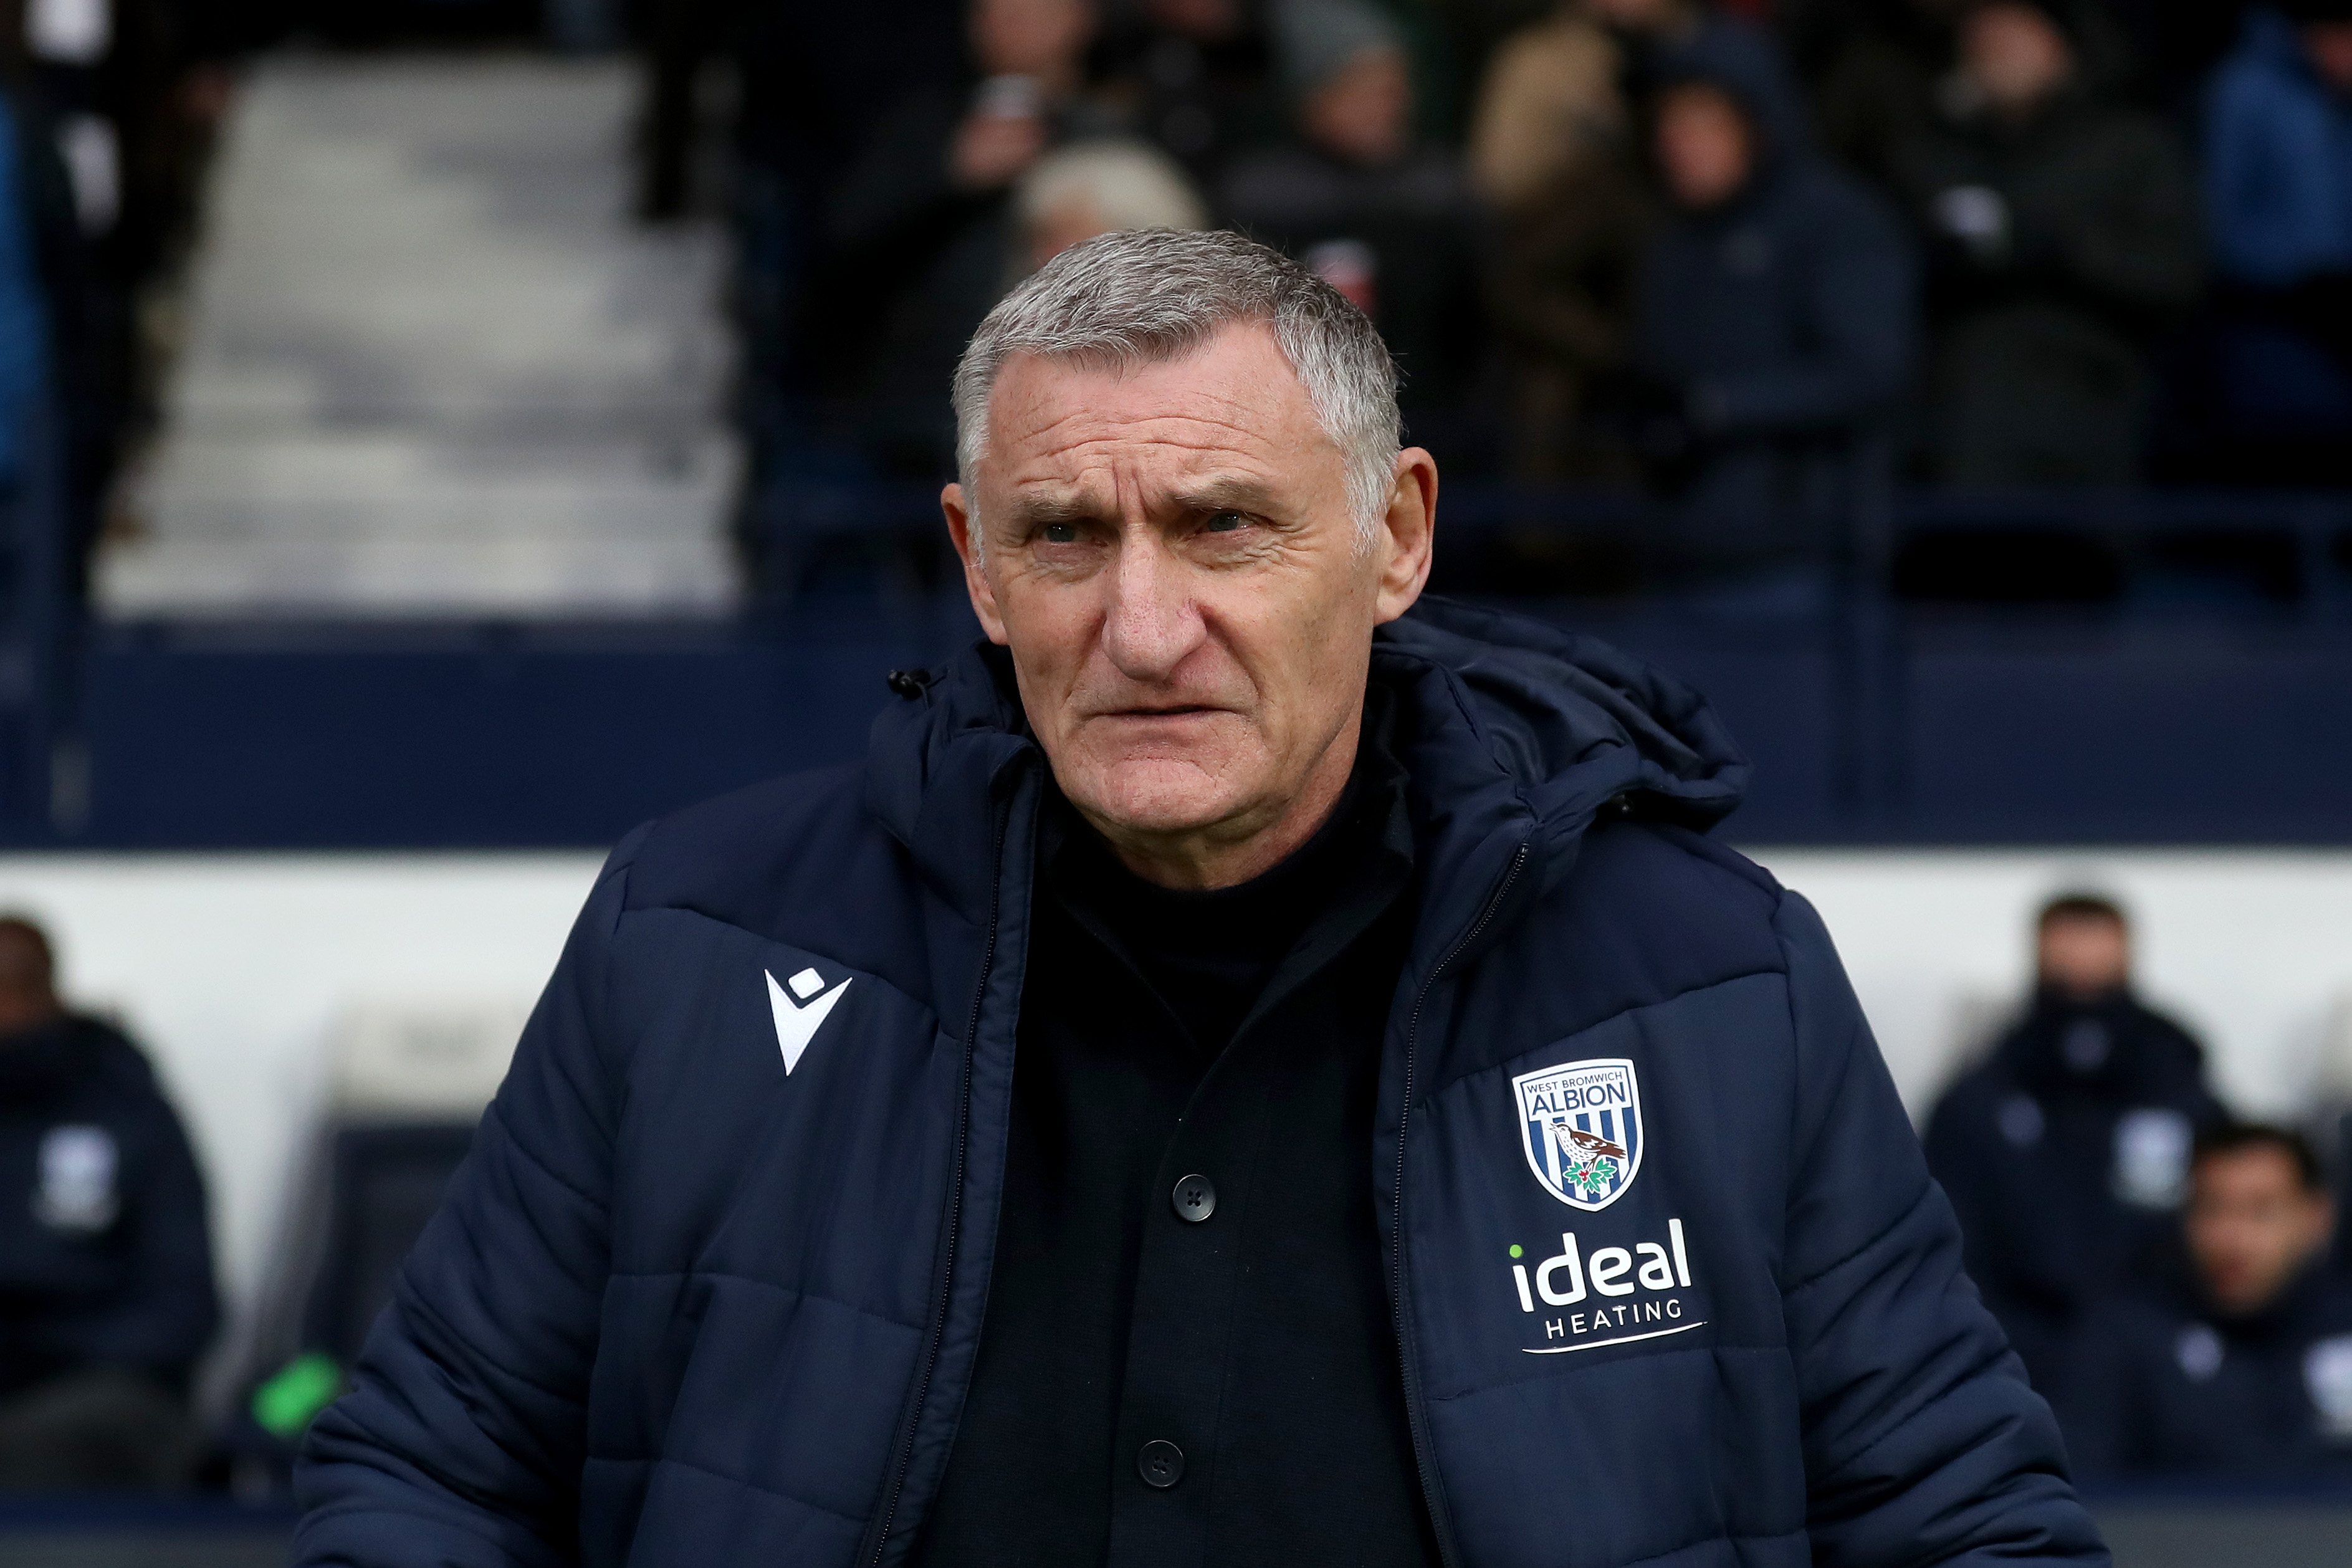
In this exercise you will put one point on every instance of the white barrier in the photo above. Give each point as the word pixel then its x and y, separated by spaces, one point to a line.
pixel 237 970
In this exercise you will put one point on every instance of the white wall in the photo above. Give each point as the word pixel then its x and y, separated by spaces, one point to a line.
pixel 234 969
pixel 2252 951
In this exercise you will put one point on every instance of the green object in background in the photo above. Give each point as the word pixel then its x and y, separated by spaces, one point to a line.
pixel 298 1391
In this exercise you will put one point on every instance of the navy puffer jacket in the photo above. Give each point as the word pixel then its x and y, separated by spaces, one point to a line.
pixel 700 1299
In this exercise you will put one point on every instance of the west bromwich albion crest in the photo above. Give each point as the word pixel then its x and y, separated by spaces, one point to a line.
pixel 1581 1123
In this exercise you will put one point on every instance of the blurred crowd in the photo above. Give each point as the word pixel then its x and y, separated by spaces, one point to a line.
pixel 1753 260
pixel 2171 1276
pixel 1738 257
pixel 108 108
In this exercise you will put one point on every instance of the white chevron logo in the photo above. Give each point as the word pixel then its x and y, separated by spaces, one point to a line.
pixel 797 1018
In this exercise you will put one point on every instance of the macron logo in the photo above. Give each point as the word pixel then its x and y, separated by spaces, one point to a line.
pixel 797 1018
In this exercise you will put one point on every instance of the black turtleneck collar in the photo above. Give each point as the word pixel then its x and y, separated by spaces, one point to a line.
pixel 2105 1044
pixel 1211 955
pixel 35 1062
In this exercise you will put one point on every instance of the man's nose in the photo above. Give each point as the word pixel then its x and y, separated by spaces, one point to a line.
pixel 1151 622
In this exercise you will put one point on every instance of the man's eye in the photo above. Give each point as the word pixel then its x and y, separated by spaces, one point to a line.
pixel 1061 534
pixel 1226 522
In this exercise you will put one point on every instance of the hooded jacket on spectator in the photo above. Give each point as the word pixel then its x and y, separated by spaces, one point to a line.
pixel 1783 321
pixel 692 1300
pixel 2157 1381
pixel 2278 161
pixel 2067 1157
pixel 105 1254
pixel 1551 155
pixel 2061 243
pixel 2278 198
pixel 1393 233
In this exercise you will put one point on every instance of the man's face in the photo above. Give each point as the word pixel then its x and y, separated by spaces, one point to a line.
pixel 2252 1225
pixel 2085 955
pixel 28 997
pixel 1040 39
pixel 2016 57
pixel 1641 16
pixel 1363 114
pixel 1170 556
pixel 2329 45
pixel 1705 151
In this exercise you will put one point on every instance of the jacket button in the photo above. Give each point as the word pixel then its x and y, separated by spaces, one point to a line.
pixel 1196 1199
pixel 1162 1464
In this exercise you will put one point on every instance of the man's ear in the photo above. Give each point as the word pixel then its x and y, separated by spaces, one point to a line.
pixel 960 526
pixel 1405 539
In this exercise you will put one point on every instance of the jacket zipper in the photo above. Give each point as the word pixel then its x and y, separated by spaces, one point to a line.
pixel 1412 1372
pixel 955 1205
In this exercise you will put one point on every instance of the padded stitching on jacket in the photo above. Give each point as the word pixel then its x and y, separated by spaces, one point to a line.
pixel 516 1143
pixel 416 1303
pixel 1927 1192
pixel 764 1285
pixel 1713 1350
pixel 1599 1022
pixel 662 1459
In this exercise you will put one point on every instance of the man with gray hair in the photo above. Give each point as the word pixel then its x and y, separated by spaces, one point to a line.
pixel 1254 1068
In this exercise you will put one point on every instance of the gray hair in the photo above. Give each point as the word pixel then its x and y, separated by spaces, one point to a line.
pixel 1120 300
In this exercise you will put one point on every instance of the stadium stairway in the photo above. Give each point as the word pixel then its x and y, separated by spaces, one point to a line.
pixel 431 368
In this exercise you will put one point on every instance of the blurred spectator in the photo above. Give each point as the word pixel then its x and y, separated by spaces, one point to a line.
pixel 2066 1154
pixel 29 226
pixel 2245 1364
pixel 2064 233
pixel 63 365
pixel 2174 45
pixel 106 1279
pixel 122 97
pixel 1357 197
pixel 1775 322
pixel 812 82
pixel 1876 85
pixel 1673 39
pixel 918 239
pixel 2278 157
pixel 1097 187
pixel 1551 156
pixel 1196 77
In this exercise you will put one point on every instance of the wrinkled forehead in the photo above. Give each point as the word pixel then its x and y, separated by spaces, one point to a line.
pixel 1231 405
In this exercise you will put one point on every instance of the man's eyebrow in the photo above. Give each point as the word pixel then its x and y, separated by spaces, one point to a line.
pixel 1035 509
pixel 1226 492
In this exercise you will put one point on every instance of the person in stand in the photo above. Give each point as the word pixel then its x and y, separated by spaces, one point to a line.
pixel 1670 39
pixel 915 243
pixel 106 1268
pixel 1775 326
pixel 1258 1068
pixel 1554 157
pixel 2242 1363
pixel 2062 237
pixel 2278 198
pixel 1376 212
pixel 1196 78
pixel 2066 1154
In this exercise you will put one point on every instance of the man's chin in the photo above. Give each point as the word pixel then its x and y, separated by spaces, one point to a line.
pixel 1157 798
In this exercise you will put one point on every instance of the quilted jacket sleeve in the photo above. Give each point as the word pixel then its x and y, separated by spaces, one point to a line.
pixel 1923 1442
pixel 460 1443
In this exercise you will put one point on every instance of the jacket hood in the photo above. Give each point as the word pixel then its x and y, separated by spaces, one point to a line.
pixel 2270 35
pixel 1540 729
pixel 1513 732
pixel 1741 59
